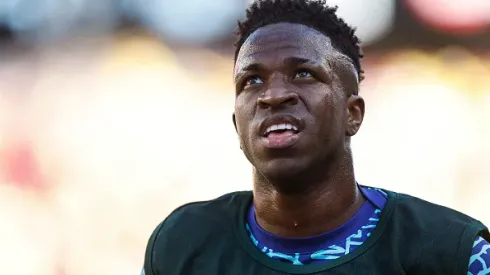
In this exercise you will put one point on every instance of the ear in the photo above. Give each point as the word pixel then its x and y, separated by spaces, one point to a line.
pixel 355 114
pixel 234 122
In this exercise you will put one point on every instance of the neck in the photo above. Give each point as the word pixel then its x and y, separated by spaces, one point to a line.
pixel 329 201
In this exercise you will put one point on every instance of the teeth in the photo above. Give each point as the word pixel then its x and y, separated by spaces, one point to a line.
pixel 280 127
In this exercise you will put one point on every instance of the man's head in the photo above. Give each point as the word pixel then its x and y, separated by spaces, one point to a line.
pixel 297 74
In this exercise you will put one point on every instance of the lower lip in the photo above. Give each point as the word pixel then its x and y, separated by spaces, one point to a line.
pixel 281 140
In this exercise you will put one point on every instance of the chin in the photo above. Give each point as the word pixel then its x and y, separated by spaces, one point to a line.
pixel 282 170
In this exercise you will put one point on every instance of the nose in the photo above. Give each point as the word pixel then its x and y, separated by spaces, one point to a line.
pixel 277 97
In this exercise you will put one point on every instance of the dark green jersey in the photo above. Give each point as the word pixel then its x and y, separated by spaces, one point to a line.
pixel 412 237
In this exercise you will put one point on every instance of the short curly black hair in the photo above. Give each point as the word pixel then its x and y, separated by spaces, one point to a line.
pixel 312 13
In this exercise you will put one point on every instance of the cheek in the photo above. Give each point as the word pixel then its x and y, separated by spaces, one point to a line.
pixel 243 116
pixel 330 114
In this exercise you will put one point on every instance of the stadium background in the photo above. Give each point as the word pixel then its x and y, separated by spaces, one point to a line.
pixel 113 113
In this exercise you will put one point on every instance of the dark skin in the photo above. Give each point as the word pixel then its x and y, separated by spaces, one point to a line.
pixel 304 181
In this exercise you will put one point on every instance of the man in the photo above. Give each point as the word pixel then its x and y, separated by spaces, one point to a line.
pixel 297 73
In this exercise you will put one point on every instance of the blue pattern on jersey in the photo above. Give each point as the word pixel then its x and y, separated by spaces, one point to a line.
pixel 332 252
pixel 479 263
pixel 480 259
pixel 351 243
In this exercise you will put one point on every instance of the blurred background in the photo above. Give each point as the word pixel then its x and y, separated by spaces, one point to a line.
pixel 114 112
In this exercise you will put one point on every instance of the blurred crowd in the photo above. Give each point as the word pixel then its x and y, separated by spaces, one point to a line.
pixel 101 136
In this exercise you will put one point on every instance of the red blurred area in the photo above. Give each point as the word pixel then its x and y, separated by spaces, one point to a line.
pixel 464 17
pixel 19 166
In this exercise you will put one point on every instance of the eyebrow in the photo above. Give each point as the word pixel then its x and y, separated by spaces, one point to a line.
pixel 293 60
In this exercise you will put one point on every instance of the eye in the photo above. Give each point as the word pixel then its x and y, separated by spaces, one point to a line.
pixel 303 74
pixel 253 80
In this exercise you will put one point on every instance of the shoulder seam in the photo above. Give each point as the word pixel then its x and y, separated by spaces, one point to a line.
pixel 460 244
pixel 475 224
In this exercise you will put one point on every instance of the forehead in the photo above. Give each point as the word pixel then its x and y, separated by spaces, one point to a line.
pixel 279 41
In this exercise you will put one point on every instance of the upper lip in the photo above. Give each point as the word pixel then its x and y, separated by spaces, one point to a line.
pixel 279 119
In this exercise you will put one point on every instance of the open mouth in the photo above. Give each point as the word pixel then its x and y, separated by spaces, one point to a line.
pixel 280 132
pixel 280 129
